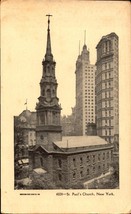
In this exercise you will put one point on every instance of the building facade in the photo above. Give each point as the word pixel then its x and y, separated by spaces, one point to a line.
pixel 91 129
pixel 28 121
pixel 107 88
pixel 24 133
pixel 85 92
pixel 73 160
pixel 68 124
pixel 69 160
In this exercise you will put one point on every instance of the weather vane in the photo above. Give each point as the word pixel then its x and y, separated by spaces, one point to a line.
pixel 48 19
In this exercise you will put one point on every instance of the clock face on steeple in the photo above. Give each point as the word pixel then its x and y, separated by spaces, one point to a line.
pixel 48 99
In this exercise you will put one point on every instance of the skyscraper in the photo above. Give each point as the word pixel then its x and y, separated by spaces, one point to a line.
pixel 107 88
pixel 85 92
pixel 48 109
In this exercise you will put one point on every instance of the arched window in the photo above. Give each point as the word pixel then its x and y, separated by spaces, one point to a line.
pixel 60 177
pixel 74 175
pixel 42 117
pixel 81 174
pixel 43 92
pixel 41 161
pixel 48 92
pixel 74 162
pixel 41 137
pixel 48 69
pixel 81 161
pixel 31 142
pixel 53 92
pixel 59 163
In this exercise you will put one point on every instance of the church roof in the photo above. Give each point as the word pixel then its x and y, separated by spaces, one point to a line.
pixel 40 171
pixel 76 144
pixel 80 141
pixel 27 119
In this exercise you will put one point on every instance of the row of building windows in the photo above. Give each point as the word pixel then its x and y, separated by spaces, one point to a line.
pixel 91 90
pixel 107 84
pixel 91 105
pixel 90 109
pixel 99 157
pixel 104 114
pixel 87 172
pixel 105 94
pixel 107 121
pixel 89 82
pixel 89 120
pixel 107 103
pixel 105 131
pixel 107 65
pixel 90 113
pixel 89 97
pixel 90 68
pixel 91 100
pixel 103 76
pixel 106 46
pixel 89 94
pixel 89 74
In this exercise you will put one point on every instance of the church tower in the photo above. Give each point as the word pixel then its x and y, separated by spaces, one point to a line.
pixel 48 109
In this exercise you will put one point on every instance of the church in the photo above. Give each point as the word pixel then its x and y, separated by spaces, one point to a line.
pixel 64 161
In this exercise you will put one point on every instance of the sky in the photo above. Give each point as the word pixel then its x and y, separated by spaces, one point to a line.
pixel 24 37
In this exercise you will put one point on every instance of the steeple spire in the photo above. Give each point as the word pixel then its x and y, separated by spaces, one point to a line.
pixel 85 37
pixel 48 55
pixel 48 126
pixel 79 47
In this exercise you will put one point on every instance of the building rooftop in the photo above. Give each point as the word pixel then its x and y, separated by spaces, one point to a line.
pixel 108 36
pixel 27 119
pixel 40 171
pixel 80 141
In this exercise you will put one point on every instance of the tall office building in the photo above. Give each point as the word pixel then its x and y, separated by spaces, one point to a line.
pixel 107 88
pixel 85 92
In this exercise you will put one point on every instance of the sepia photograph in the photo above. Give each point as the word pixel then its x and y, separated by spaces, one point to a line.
pixel 80 149
pixel 62 72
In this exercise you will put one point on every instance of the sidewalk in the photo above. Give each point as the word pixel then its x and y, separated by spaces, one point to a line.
pixel 96 179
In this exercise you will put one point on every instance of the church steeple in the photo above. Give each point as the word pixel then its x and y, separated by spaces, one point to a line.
pixel 48 108
pixel 48 55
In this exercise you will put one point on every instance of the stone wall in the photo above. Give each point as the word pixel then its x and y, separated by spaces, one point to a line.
pixel 66 169
pixel 79 167
pixel 60 172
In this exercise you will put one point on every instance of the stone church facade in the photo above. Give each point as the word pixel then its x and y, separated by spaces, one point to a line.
pixel 67 166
